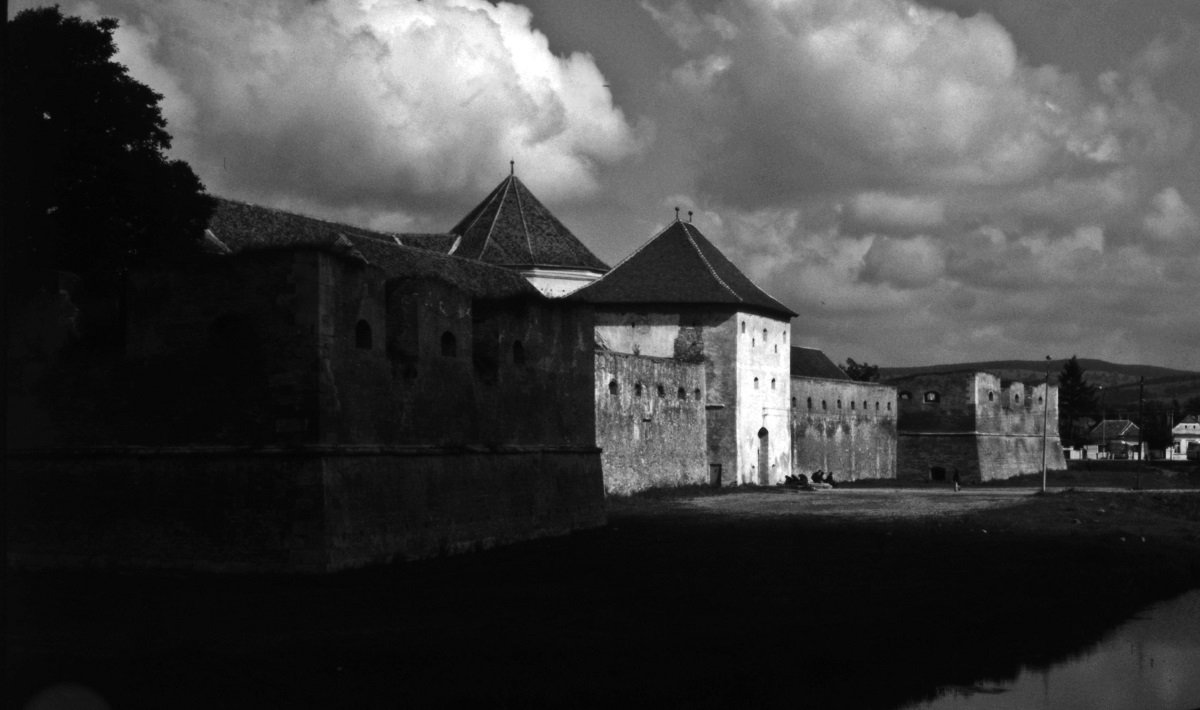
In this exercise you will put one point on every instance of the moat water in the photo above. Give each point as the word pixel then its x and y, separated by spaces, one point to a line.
pixel 1150 661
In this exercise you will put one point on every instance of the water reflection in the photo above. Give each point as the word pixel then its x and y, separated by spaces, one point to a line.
pixel 1151 661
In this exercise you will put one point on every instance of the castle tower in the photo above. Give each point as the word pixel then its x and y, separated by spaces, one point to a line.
pixel 679 297
pixel 511 228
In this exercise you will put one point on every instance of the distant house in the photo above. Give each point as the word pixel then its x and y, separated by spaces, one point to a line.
pixel 1185 439
pixel 1117 439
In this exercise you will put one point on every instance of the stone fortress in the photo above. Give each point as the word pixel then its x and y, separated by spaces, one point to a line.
pixel 313 396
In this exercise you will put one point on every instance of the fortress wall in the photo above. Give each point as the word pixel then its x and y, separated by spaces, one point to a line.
pixel 312 509
pixel 655 438
pixel 854 440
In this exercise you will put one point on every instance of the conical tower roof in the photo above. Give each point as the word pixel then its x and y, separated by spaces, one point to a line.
pixel 680 266
pixel 512 228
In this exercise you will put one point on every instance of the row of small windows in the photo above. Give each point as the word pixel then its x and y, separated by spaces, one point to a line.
pixel 756 383
pixel 765 336
pixel 853 404
pixel 614 389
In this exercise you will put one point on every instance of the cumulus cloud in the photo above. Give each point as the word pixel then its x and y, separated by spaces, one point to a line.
pixel 891 93
pixel 372 103
pixel 883 210
pixel 1171 219
pixel 903 263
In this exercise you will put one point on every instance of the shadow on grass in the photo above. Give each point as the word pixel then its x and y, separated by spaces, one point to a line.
pixel 657 608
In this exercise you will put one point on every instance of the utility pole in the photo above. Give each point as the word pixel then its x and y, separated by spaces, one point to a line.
pixel 1045 418
pixel 1141 428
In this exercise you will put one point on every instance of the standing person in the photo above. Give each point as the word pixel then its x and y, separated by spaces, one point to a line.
pixel 957 480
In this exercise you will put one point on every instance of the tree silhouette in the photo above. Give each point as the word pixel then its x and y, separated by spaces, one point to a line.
pixel 87 187
pixel 860 371
pixel 1076 398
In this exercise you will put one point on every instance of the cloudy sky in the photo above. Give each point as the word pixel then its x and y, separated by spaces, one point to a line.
pixel 924 182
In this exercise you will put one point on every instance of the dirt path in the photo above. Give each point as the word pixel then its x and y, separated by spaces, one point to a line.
pixel 859 503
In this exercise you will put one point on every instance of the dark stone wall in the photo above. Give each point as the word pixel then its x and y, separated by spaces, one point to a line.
pixel 844 427
pixel 307 509
pixel 650 439
pixel 953 411
pixel 985 428
pixel 917 455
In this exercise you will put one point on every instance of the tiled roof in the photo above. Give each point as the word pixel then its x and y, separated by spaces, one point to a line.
pixel 1113 429
pixel 680 266
pixel 440 243
pixel 512 228
pixel 241 227
pixel 810 362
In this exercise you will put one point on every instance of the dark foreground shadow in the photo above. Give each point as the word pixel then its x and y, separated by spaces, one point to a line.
pixel 656 609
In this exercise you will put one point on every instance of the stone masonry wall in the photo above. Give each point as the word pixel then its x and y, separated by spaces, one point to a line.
pixel 296 509
pixel 650 422
pixel 977 424
pixel 844 427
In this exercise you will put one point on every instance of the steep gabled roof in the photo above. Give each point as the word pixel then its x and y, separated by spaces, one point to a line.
pixel 1112 429
pixel 680 266
pixel 512 228
pixel 237 227
pixel 810 362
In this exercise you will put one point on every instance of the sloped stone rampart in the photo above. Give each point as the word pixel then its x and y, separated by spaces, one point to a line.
pixel 311 509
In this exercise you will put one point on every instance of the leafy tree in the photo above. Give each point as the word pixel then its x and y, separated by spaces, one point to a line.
pixel 87 185
pixel 861 371
pixel 1076 398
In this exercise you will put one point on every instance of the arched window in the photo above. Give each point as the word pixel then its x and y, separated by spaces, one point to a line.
pixel 696 393
pixel 362 335
pixel 613 387
pixel 810 402
pixel 449 345
pixel 889 407
pixel 853 404
pixel 877 406
pixel 743 327
pixel 518 353
pixel 793 402
pixel 681 394
pixel 755 383
pixel 991 396
pixel 776 348
pixel 637 389
pixel 1017 398
pixel 764 335
pixel 661 391
pixel 932 396
pixel 772 383
pixel 864 405
pixel 824 405
pixel 839 404
pixel 1039 400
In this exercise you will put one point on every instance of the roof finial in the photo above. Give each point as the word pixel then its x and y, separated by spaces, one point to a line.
pixel 512 166
pixel 689 216
pixel 676 213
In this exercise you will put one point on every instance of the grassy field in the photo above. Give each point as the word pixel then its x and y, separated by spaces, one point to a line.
pixel 856 597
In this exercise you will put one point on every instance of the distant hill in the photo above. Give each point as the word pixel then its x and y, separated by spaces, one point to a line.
pixel 1120 382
